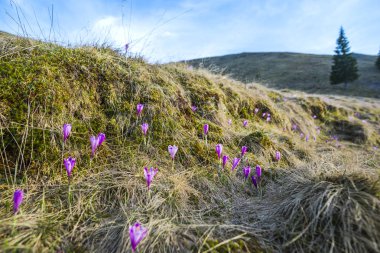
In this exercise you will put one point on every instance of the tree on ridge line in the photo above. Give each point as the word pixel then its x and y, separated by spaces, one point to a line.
pixel 344 68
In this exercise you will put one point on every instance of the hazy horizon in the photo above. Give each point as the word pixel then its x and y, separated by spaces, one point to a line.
pixel 164 31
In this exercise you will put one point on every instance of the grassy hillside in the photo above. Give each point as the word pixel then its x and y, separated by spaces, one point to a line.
pixel 305 72
pixel 322 195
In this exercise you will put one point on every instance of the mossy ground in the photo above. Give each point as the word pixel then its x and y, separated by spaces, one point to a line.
pixel 193 205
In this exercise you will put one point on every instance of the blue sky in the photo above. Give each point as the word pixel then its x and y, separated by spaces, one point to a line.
pixel 175 30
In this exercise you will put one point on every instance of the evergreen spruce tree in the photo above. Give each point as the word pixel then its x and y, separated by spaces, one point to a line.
pixel 344 68
pixel 378 61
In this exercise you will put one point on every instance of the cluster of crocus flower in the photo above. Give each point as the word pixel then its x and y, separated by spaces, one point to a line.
pixel 96 142
pixel 149 175
pixel 136 233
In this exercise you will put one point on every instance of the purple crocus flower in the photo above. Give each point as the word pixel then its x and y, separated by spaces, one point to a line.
pixel 268 119
pixel 66 131
pixel 254 181
pixel 258 171
pixel 264 114
pixel 301 135
pixel 235 163
pixel 245 123
pixel 194 108
pixel 243 150
pixel 225 160
pixel 314 116
pixel 172 150
pixel 136 233
pixel 149 175
pixel 139 107
pixel 219 149
pixel 278 155
pixel 256 110
pixel 246 171
pixel 144 128
pixel 69 165
pixel 307 138
pixel 101 138
pixel 18 197
pixel 205 129
pixel 94 144
pixel 294 127
pixel 230 122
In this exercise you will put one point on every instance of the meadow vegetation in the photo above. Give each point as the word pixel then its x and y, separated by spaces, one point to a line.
pixel 321 196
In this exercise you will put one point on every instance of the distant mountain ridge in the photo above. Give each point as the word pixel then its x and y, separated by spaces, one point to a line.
pixel 298 71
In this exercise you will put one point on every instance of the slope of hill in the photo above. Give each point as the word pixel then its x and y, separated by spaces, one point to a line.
pixel 306 72
pixel 326 179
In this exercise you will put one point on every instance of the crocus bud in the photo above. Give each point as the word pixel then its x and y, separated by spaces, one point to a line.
pixel 194 108
pixel 66 131
pixel 245 123
pixel 136 233
pixel 258 171
pixel 219 149
pixel 246 171
pixel 101 139
pixel 172 150
pixel 254 181
pixel 149 175
pixel 278 155
pixel 205 129
pixel 243 150
pixel 94 145
pixel 69 165
pixel 256 110
pixel 18 197
pixel 225 160
pixel 235 163
pixel 230 122
pixel 139 108
pixel 144 128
